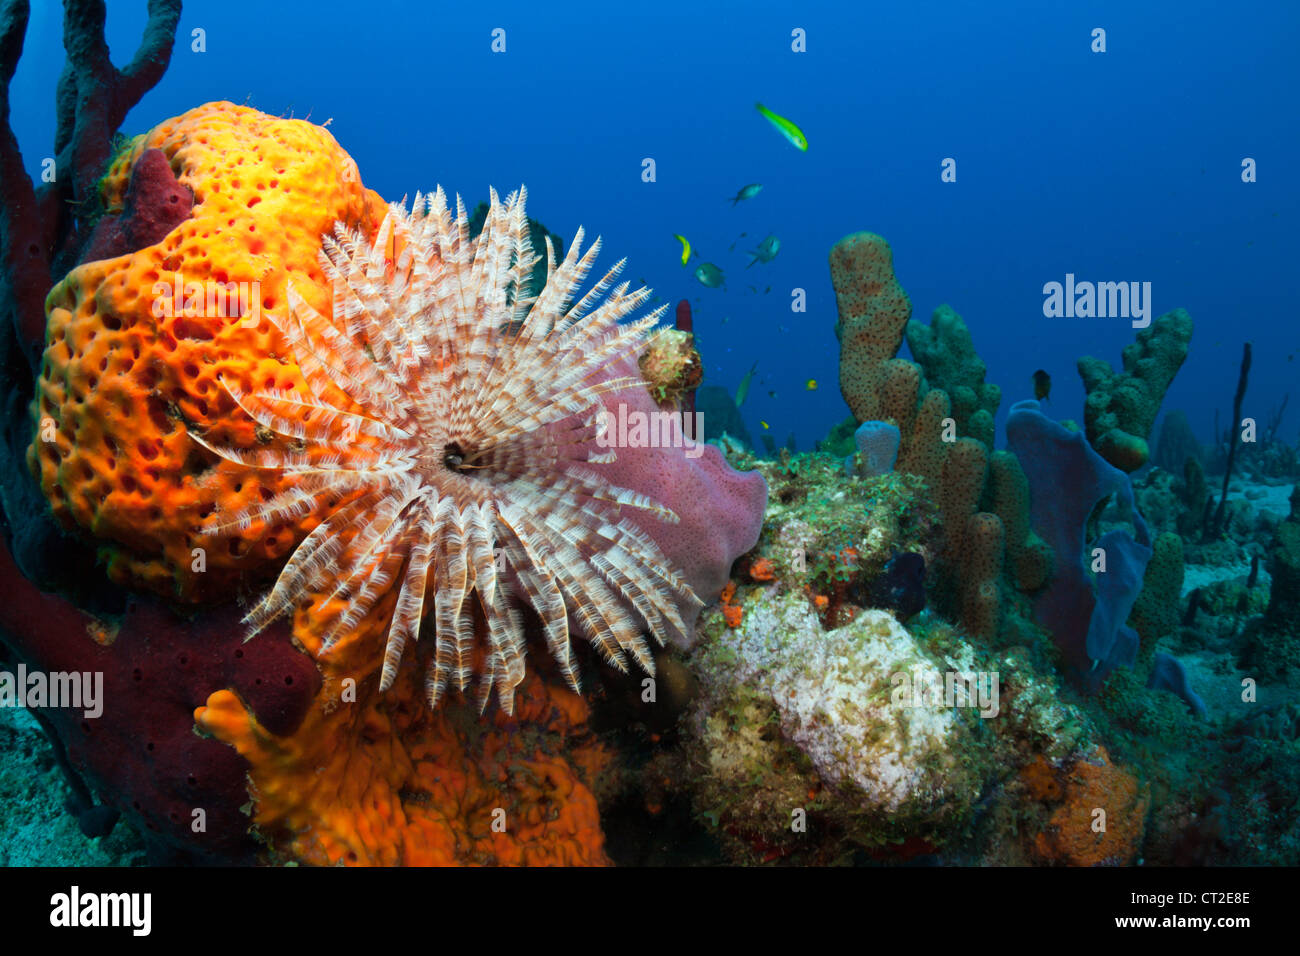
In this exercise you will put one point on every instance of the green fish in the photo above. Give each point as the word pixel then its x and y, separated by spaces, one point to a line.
pixel 742 390
pixel 747 192
pixel 686 247
pixel 709 275
pixel 787 129
pixel 766 251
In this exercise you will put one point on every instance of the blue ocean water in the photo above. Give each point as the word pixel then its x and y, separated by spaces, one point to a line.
pixel 1123 165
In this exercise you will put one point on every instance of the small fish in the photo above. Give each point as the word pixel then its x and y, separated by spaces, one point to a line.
pixel 726 319
pixel 771 394
pixel 766 251
pixel 753 289
pixel 1042 385
pixel 686 247
pixel 747 192
pixel 782 328
pixel 787 129
pixel 812 385
pixel 742 390
pixel 731 248
pixel 765 425
pixel 767 290
pixel 709 275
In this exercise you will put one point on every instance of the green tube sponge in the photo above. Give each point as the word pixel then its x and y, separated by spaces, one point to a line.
pixel 1121 406
pixel 1156 610
pixel 1028 557
pixel 946 353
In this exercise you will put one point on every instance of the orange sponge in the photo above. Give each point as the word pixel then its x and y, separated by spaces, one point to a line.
pixel 135 345
pixel 1102 818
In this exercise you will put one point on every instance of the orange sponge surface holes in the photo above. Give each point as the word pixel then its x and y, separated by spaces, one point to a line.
pixel 137 348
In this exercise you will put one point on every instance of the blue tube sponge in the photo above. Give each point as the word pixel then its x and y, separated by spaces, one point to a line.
pixel 1085 611
pixel 877 444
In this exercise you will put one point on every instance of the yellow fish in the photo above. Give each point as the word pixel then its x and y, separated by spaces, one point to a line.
pixel 812 385
pixel 765 425
pixel 686 247
pixel 787 129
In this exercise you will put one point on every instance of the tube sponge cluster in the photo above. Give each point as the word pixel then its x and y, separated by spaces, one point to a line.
pixel 945 421
pixel 946 353
pixel 1121 407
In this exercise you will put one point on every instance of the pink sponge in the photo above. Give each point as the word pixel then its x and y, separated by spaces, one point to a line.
pixel 721 509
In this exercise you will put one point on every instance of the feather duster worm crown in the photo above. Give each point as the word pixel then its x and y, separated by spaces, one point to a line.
pixel 445 436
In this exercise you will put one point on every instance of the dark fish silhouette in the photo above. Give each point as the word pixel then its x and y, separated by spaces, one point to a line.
pixel 901 585
pixel 1042 385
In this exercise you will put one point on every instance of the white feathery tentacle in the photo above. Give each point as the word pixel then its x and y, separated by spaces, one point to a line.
pixel 445 427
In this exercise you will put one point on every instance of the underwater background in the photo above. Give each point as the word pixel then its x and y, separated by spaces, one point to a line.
pixel 996 149
pixel 1122 166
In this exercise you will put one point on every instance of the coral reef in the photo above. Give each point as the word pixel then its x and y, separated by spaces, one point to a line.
pixel 1155 611
pixel 126 386
pixel 834 719
pixel 141 754
pixel 889 663
pixel 945 423
pixel 389 783
pixel 721 417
